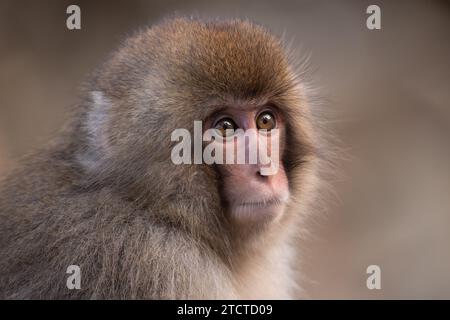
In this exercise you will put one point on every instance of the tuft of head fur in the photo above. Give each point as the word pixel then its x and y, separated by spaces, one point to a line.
pixel 107 197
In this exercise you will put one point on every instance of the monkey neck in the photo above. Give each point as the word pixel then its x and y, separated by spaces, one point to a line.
pixel 252 240
pixel 261 263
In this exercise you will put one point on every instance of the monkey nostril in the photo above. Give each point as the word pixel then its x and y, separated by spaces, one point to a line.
pixel 260 175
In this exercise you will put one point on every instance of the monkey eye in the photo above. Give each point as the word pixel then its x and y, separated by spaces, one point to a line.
pixel 266 121
pixel 225 124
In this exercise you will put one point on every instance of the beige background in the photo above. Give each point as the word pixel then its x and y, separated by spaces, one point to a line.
pixel 389 94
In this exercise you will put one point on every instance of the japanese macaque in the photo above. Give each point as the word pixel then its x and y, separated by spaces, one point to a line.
pixel 107 196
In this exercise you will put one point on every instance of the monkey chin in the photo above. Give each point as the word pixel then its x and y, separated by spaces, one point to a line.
pixel 258 212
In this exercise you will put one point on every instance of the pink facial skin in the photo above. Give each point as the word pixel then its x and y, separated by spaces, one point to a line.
pixel 253 197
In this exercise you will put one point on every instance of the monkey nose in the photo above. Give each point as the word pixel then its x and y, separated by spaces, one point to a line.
pixel 261 178
pixel 260 174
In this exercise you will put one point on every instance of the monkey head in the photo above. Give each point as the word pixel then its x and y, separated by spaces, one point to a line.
pixel 229 75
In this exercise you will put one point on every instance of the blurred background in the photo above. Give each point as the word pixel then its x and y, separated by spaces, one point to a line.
pixel 389 104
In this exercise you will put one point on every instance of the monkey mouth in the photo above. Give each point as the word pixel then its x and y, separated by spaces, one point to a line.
pixel 271 202
pixel 259 210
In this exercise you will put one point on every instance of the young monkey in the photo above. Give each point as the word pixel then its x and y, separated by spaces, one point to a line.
pixel 107 197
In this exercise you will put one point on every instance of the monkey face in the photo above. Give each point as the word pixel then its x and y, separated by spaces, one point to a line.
pixel 254 191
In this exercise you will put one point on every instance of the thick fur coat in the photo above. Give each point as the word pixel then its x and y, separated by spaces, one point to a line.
pixel 105 196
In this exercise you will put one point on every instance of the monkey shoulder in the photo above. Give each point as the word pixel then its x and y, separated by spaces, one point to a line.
pixel 50 222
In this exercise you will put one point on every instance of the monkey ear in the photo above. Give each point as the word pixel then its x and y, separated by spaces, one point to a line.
pixel 97 113
pixel 95 127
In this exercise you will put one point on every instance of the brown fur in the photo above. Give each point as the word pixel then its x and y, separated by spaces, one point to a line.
pixel 110 200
